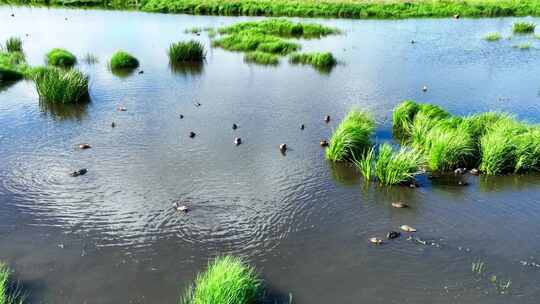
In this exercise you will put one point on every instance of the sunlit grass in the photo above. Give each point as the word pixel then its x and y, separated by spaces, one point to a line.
pixel 352 137
pixel 13 44
pixel 323 60
pixel 61 86
pixel 248 41
pixel 60 58
pixel 281 28
pixel 492 37
pixel 261 58
pixel 523 46
pixel 188 51
pixel 123 60
pixel 523 27
pixel 397 167
pixel 10 292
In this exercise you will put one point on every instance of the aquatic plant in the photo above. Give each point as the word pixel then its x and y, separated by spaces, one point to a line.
pixel 13 44
pixel 397 167
pixel 523 27
pixel 448 147
pixel 62 86
pixel 281 28
pixel 90 58
pixel 352 136
pixel 227 280
pixel 13 66
pixel 247 41
pixel 365 164
pixel 404 114
pixel 318 60
pixel 522 46
pixel 60 58
pixel 121 60
pixel 492 37
pixel 10 292
pixel 261 58
pixel 190 51
pixel 478 267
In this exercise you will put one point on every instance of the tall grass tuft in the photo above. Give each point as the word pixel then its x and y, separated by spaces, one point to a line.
pixel 491 37
pixel 319 60
pixel 61 86
pixel 404 114
pixel 10 292
pixel 352 136
pixel 448 147
pixel 227 280
pixel 122 60
pixel 523 27
pixel 13 44
pixel 60 58
pixel 365 164
pixel 397 167
pixel 261 58
pixel 190 51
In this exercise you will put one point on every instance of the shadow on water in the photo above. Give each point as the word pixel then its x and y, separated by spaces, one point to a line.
pixel 123 72
pixel 508 182
pixel 187 68
pixel 344 173
pixel 60 111
pixel 4 86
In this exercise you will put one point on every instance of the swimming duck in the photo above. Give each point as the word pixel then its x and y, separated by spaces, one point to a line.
pixel 474 171
pixel 234 126
pixel 237 141
pixel 327 118
pixel 121 109
pixel 376 241
pixel 192 134
pixel 456 16
pixel 197 104
pixel 113 124
pixel 182 208
pixel 407 228
pixel 181 116
pixel 141 72
pixel 399 205
pixel 283 147
pixel 424 89
pixel 78 172
pixel 324 143
pixel 413 42
pixel 392 235
pixel 12 15
pixel 302 127
pixel 460 171
pixel 85 146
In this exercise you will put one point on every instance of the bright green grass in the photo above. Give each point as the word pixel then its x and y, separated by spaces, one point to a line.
pixel 319 60
pixel 13 66
pixel 261 58
pixel 523 46
pixel 281 28
pixel 60 58
pixel 228 280
pixel 250 40
pixel 523 27
pixel 352 137
pixel 492 37
pixel 61 86
pixel 10 292
pixel 397 167
pixel 365 164
pixel 13 44
pixel 189 51
pixel 448 147
pixel 405 113
pixel 123 60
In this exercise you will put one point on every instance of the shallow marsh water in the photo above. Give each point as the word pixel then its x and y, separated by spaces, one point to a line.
pixel 111 236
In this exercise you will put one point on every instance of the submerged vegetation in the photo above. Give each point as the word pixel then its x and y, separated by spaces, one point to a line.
pixel 10 292
pixel 123 60
pixel 352 138
pixel 523 27
pixel 60 58
pixel 227 280
pixel 492 37
pixel 261 58
pixel 189 51
pixel 61 86
pixel 319 60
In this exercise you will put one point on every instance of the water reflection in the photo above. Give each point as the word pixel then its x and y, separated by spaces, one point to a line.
pixel 187 68
pixel 344 173
pixel 61 111
pixel 123 72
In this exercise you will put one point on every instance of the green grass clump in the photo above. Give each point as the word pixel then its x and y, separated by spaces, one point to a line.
pixel 60 58
pixel 523 46
pixel 281 28
pixel 261 58
pixel 10 293
pixel 13 66
pixel 352 137
pixel 448 147
pixel 397 167
pixel 404 114
pixel 492 37
pixel 61 86
pixel 122 60
pixel 318 60
pixel 523 27
pixel 226 281
pixel 190 51
pixel 13 44
pixel 248 41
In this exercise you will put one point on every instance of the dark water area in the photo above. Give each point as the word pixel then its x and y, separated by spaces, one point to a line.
pixel 112 236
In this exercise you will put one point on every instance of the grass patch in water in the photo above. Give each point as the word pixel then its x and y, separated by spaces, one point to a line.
pixel 523 27
pixel 249 41
pixel 60 58
pixel 281 28
pixel 189 51
pixel 228 280
pixel 352 137
pixel 397 167
pixel 523 46
pixel 13 44
pixel 61 86
pixel 10 292
pixel 122 60
pixel 261 58
pixel 318 60
pixel 491 37
pixel 13 66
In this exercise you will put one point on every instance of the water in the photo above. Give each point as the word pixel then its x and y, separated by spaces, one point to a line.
pixel 112 236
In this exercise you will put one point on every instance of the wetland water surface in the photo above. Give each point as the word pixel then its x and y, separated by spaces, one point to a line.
pixel 111 236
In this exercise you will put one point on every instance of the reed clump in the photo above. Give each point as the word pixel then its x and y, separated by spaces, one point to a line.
pixel 61 86
pixel 121 60
pixel 10 292
pixel 261 58
pixel 188 51
pixel 321 60
pixel 12 45
pixel 60 58
pixel 281 28
pixel 13 66
pixel 228 280
pixel 523 27
pixel 491 37
pixel 352 137
pixel 249 41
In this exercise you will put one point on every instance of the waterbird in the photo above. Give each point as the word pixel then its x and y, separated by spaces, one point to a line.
pixel 474 171
pixel 424 89
pixel 283 147
pixel 121 109
pixel 141 72
pixel 237 141
pixel 460 170
pixel 12 15
pixel 84 146
pixel 376 240
pixel 413 42
pixel 456 16
pixel 182 208
pixel 192 134
pixel 302 127
pixel 234 126
pixel 324 143
pixel 113 124
pixel 399 205
pixel 407 228
pixel 181 116
pixel 78 172
pixel 327 118
pixel 197 104
pixel 393 235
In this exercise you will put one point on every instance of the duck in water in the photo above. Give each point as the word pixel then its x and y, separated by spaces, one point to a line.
pixel 78 172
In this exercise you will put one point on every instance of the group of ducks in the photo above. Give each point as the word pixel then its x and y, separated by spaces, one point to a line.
pixel 394 234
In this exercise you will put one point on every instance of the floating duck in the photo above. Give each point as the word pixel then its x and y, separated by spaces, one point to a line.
pixel 85 146
pixel 393 235
pixel 141 72
pixel 399 205
pixel 327 118
pixel 181 116
pixel 113 124
pixel 192 134
pixel 78 172
pixel 456 16
pixel 12 15
pixel 413 42
pixel 121 109
pixel 407 228
pixel 376 241
pixel 460 171
pixel 302 127
pixel 234 126
pixel 283 147
pixel 324 143
pixel 181 208
pixel 474 171
pixel 237 141
pixel 424 88
pixel 197 104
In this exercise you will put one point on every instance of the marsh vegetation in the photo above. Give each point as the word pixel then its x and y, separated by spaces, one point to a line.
pixel 10 291
pixel 60 58
pixel 61 86
pixel 122 60
pixel 188 51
